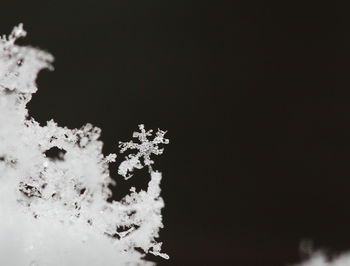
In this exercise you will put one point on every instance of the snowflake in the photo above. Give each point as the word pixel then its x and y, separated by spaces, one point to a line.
pixel 145 149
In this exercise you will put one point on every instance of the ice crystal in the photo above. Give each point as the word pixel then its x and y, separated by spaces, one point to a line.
pixel 54 211
pixel 145 149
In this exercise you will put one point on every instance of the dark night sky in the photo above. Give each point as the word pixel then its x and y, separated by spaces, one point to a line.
pixel 255 97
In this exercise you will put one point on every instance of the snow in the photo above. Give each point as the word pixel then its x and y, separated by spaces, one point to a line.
pixel 55 211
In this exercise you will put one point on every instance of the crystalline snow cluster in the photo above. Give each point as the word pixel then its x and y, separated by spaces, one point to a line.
pixel 55 212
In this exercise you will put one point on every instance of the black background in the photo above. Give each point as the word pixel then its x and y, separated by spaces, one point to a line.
pixel 255 98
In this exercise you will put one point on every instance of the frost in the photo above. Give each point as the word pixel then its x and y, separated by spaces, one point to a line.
pixel 55 211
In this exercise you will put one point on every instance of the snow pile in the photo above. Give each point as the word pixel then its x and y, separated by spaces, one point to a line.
pixel 54 210
pixel 320 259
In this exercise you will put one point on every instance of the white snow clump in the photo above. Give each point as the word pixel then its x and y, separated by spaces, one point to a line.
pixel 54 211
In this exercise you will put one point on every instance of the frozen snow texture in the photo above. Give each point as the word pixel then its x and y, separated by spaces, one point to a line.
pixel 54 211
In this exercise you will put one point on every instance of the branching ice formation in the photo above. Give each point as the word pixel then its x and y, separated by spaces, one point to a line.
pixel 54 211
pixel 145 149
